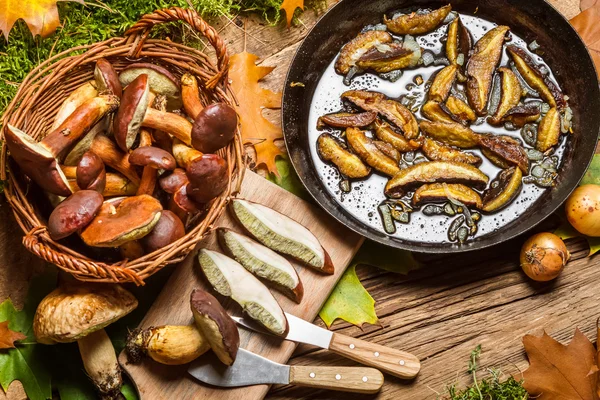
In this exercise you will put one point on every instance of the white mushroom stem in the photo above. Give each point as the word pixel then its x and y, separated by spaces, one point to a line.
pixel 100 362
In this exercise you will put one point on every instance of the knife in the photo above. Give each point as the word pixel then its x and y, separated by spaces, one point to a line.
pixel 252 369
pixel 395 362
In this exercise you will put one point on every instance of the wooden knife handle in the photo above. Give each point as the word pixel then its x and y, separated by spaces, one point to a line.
pixel 345 379
pixel 395 362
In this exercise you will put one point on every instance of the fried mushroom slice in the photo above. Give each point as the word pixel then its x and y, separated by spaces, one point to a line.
pixel 534 78
pixel 460 110
pixel 453 134
pixel 505 148
pixel 503 190
pixel 389 57
pixel 385 133
pixel 434 172
pixel 347 163
pixel 437 151
pixel 548 130
pixel 441 192
pixel 346 120
pixel 388 150
pixel 392 110
pixel 370 153
pixel 442 83
pixel 417 23
pixel 523 114
pixel 434 111
pixel 357 47
pixel 481 66
pixel 511 95
pixel 459 41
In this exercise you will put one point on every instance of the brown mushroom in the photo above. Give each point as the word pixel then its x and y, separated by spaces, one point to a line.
pixel 214 127
pixel 90 173
pixel 74 213
pixel 116 184
pixel 152 159
pixel 190 95
pixel 168 229
pixel 106 78
pixel 77 97
pixel 161 80
pixel 130 219
pixel 176 185
pixel 39 160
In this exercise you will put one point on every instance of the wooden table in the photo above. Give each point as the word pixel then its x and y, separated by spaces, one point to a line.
pixel 440 312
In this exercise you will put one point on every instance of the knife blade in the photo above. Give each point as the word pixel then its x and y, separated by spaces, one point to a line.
pixel 395 362
pixel 252 369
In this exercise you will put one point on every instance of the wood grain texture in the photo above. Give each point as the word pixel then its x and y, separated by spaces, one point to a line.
pixel 344 379
pixel 156 381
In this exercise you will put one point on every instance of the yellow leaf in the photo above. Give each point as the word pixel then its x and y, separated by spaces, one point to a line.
pixel 8 337
pixel 290 6
pixel 245 77
pixel 41 16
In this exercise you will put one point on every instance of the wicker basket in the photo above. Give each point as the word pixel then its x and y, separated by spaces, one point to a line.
pixel 39 98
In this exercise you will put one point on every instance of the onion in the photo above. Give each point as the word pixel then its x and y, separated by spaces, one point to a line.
pixel 427 59
pixel 543 256
pixel 411 44
pixel 460 59
pixel 533 46
pixel 583 209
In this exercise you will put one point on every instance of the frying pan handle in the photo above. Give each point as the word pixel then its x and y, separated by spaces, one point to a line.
pixel 345 379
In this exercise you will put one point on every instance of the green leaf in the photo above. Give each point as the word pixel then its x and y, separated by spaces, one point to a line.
pixel 566 231
pixel 594 243
pixel 349 301
pixel 128 391
pixel 288 179
pixel 384 257
pixel 592 175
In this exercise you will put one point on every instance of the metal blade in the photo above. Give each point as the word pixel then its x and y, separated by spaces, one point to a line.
pixel 248 369
pixel 300 331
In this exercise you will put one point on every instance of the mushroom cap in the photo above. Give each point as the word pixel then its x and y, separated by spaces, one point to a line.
pixel 91 173
pixel 75 310
pixel 121 221
pixel 134 104
pixel 174 181
pixel 161 80
pixel 168 229
pixel 208 177
pixel 107 78
pixel 36 161
pixel 153 157
pixel 74 213
pixel 214 127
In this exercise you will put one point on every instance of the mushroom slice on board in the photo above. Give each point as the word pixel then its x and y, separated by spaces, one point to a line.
pixel 58 319
pixel 216 325
pixel 39 160
pixel 503 190
pixel 433 172
pixel 437 151
pixel 349 164
pixel 282 234
pixel 262 262
pixel 453 134
pixel 548 130
pixel 90 173
pixel 510 95
pixel 130 219
pixel 106 78
pixel 417 23
pixel 357 47
pixel 74 213
pixel 506 148
pixel 441 192
pixel 481 67
pixel 230 279
pixel 370 153
pixel 167 230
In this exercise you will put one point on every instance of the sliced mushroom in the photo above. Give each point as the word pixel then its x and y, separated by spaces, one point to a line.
pixel 460 111
pixel 74 213
pixel 385 133
pixel 262 262
pixel 452 134
pixel 214 127
pixel 132 219
pixel 357 47
pixel 459 42
pixel 442 83
pixel 366 149
pixel 481 66
pixel 548 130
pixel 395 112
pixel 507 148
pixel 167 230
pixel 82 94
pixel 388 150
pixel 230 279
pixel 216 325
pixel 389 57
pixel 511 95
pixel 347 163
pixel 433 172
pixel 161 80
pixel 417 23
pixel 437 151
pixel 106 78
pixel 346 120
pixel 39 160
pixel 503 190
pixel 441 192
pixel 190 95
pixel 523 114
pixel 282 234
pixel 434 111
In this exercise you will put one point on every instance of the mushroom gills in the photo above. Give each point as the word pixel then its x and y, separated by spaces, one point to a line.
pixel 282 234
pixel 230 279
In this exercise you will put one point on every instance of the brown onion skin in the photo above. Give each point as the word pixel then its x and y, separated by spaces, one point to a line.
pixel 583 210
pixel 543 256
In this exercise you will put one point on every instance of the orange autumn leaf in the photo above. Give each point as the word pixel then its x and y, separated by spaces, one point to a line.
pixel 41 16
pixel 290 6
pixel 586 24
pixel 560 372
pixel 252 98
pixel 8 337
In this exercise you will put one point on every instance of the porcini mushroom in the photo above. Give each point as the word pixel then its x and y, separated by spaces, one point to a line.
pixel 116 184
pixel 152 159
pixel 90 173
pixel 74 213
pixel 39 160
pixel 176 185
pixel 161 80
pixel 106 78
pixel 190 95
pixel 58 319
pixel 119 222
pixel 77 97
pixel 168 230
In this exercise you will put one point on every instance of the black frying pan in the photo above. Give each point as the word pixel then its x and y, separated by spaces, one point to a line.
pixel 532 20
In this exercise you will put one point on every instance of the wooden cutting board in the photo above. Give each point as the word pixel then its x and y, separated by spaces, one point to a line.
pixel 155 381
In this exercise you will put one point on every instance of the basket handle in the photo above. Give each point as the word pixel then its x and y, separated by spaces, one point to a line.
pixel 139 32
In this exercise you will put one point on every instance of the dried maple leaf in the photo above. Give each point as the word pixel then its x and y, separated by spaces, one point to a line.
pixel 560 372
pixel 245 77
pixel 290 6
pixel 8 337
pixel 588 28
pixel 41 16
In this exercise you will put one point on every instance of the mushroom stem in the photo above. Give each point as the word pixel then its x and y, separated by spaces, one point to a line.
pixel 190 95
pixel 100 363
pixel 116 184
pixel 148 182
pixel 77 97
pixel 112 156
pixel 183 154
pixel 172 123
